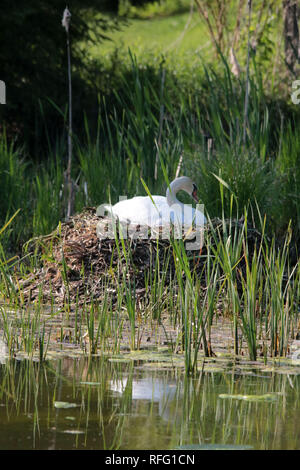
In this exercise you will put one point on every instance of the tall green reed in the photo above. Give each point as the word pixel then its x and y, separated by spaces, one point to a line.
pixel 110 161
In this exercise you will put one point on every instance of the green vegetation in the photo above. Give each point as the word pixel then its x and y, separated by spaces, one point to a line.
pixel 165 35
pixel 154 110
pixel 262 174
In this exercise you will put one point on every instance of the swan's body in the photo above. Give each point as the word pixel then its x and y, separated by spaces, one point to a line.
pixel 160 211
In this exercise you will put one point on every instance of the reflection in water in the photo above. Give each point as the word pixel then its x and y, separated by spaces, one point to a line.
pixel 126 407
pixel 153 389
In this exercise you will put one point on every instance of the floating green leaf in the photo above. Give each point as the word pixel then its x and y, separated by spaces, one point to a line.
pixel 266 397
pixel 90 383
pixel 214 447
pixel 64 404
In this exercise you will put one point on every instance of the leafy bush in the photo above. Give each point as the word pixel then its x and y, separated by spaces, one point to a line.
pixel 33 49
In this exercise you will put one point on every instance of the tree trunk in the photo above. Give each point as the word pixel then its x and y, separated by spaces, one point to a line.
pixel 291 34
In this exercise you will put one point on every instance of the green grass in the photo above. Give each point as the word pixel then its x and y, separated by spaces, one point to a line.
pixel 183 33
pixel 177 33
pixel 152 120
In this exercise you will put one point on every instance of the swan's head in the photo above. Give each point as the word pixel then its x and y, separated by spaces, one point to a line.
pixel 186 184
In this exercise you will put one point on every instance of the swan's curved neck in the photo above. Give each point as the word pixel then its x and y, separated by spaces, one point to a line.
pixel 171 192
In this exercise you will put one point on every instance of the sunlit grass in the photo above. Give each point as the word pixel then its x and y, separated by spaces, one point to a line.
pixel 183 34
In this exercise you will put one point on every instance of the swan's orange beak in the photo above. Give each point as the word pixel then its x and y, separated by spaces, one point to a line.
pixel 194 195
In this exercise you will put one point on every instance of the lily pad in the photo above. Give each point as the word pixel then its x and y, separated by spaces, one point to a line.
pixel 266 397
pixel 73 431
pixel 119 359
pixel 90 383
pixel 214 447
pixel 64 404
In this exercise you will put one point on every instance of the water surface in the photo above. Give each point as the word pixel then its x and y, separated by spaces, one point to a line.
pixel 99 403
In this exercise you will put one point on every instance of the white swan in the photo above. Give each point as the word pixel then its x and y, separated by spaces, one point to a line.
pixel 160 211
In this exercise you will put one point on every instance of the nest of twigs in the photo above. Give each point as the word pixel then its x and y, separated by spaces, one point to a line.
pixel 76 265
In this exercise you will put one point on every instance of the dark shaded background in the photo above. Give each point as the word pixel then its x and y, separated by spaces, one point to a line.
pixel 33 62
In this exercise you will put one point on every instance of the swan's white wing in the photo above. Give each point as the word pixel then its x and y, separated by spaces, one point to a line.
pixel 141 210
pixel 186 215
pixel 199 218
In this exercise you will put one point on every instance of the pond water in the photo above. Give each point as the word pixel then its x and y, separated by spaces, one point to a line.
pixel 112 403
